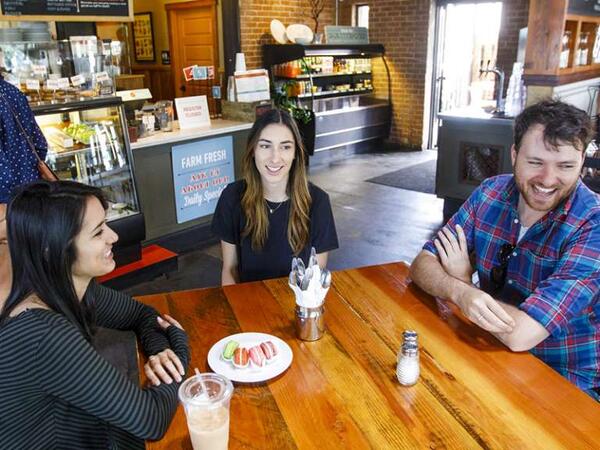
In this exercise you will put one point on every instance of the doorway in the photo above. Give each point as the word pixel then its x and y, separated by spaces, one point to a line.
pixel 466 40
pixel 193 40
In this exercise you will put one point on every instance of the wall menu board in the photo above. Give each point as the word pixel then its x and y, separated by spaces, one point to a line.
pixel 90 8
pixel 584 7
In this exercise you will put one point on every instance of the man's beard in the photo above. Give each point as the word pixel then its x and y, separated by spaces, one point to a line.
pixel 526 190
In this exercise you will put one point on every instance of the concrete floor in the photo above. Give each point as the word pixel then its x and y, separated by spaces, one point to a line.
pixel 375 224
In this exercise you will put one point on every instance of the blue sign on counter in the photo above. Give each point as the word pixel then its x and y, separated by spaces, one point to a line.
pixel 201 170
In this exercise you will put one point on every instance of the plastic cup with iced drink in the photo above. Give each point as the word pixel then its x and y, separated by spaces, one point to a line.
pixel 205 398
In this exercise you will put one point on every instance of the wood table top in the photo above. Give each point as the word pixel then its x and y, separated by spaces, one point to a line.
pixel 341 391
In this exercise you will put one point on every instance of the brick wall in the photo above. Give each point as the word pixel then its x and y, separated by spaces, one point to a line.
pixel 256 16
pixel 402 26
pixel 515 14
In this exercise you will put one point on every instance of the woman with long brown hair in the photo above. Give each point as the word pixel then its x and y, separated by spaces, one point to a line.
pixel 273 213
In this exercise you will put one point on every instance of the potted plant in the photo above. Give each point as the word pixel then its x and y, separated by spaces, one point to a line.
pixel 305 118
pixel 316 8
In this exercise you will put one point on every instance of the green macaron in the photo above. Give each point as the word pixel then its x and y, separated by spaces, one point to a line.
pixel 229 349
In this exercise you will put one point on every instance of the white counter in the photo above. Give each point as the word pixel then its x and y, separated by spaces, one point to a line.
pixel 217 127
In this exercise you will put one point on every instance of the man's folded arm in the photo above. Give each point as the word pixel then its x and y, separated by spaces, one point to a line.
pixel 427 272
pixel 527 332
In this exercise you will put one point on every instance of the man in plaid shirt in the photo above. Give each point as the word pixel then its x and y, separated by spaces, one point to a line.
pixel 534 241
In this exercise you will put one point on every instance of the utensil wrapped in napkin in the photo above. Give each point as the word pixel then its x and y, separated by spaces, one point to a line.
pixel 310 283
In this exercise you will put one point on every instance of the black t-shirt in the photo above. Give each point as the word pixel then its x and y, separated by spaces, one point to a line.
pixel 275 259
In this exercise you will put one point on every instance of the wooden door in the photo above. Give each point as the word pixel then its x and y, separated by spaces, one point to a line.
pixel 193 40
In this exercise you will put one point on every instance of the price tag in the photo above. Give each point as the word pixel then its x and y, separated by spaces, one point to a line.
pixel 32 85
pixel 39 70
pixel 63 83
pixel 78 80
pixel 101 77
pixel 115 48
pixel 52 84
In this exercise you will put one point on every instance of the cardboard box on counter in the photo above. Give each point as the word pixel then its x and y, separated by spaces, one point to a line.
pixel 252 85
pixel 244 111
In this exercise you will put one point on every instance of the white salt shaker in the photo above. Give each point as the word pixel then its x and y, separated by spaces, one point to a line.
pixel 407 370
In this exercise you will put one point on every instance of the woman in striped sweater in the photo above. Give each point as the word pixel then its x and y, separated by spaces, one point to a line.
pixel 56 391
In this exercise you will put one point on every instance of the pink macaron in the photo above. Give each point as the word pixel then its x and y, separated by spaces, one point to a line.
pixel 270 350
pixel 257 356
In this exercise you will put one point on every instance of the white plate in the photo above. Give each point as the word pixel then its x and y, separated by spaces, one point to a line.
pixel 299 31
pixel 250 374
pixel 278 31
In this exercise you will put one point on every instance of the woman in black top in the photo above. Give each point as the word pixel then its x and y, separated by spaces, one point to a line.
pixel 56 391
pixel 273 213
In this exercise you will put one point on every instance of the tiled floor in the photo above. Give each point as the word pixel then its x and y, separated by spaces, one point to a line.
pixel 375 223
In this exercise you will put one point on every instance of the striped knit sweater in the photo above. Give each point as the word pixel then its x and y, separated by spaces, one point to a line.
pixel 57 392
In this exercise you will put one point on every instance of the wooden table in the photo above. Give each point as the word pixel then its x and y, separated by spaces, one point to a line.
pixel 342 392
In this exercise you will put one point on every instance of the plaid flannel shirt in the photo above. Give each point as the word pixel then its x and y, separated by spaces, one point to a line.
pixel 553 273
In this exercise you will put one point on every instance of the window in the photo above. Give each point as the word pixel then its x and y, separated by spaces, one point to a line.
pixel 361 15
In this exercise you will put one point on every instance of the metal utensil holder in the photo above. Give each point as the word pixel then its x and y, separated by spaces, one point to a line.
pixel 310 322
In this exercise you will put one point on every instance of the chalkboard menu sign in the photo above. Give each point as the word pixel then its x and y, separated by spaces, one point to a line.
pixel 584 7
pixel 113 8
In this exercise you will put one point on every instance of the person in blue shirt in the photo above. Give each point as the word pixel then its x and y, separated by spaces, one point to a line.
pixel 18 164
pixel 535 240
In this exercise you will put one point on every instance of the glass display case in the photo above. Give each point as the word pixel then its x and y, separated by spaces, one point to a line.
pixel 63 70
pixel 87 143
pixel 335 84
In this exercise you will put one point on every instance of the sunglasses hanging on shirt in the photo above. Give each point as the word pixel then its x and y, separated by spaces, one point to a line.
pixel 499 272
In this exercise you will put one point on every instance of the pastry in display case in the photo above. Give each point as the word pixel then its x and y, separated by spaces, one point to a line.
pixel 87 144
pixel 65 70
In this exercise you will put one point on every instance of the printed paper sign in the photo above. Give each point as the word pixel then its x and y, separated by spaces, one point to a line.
pixel 346 35
pixel 192 112
pixel 211 72
pixel 188 73
pixel 199 73
pixel 63 83
pixel 32 85
pixel 102 77
pixel 201 170
pixel 78 80
pixel 52 84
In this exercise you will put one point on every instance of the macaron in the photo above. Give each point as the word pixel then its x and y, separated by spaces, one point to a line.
pixel 229 349
pixel 257 356
pixel 240 358
pixel 269 350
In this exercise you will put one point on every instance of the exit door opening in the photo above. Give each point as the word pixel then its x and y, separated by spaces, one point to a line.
pixel 466 40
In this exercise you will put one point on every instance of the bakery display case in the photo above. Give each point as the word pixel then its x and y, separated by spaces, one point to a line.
pixel 334 83
pixel 87 143
pixel 64 70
